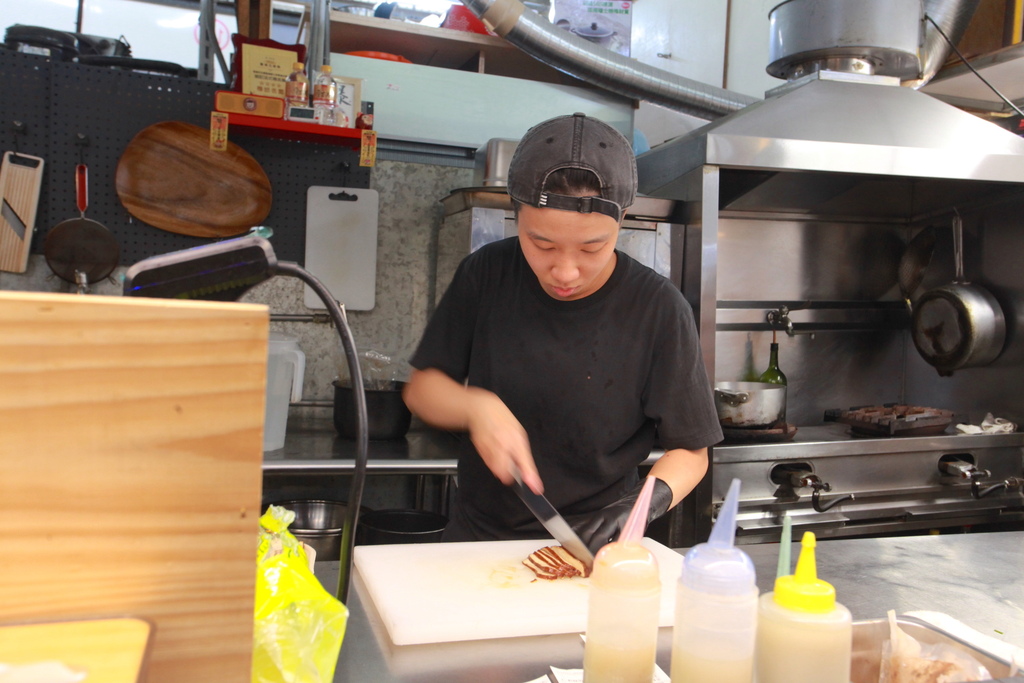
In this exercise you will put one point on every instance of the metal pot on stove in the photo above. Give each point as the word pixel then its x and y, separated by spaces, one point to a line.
pixel 750 405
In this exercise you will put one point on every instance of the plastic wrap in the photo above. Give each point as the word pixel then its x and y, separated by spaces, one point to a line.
pixel 905 660
pixel 299 625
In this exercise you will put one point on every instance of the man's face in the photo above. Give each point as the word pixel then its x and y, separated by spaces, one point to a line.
pixel 572 254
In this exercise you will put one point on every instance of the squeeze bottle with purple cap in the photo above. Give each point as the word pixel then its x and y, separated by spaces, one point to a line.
pixel 716 607
pixel 803 634
pixel 624 605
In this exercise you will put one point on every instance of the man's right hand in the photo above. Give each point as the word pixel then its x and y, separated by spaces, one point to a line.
pixel 500 439
pixel 498 436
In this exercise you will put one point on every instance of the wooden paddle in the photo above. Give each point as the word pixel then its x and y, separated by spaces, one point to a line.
pixel 170 178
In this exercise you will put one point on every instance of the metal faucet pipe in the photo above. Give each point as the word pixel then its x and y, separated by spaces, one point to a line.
pixel 575 56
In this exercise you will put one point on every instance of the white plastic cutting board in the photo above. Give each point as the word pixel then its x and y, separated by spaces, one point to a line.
pixel 442 592
pixel 341 245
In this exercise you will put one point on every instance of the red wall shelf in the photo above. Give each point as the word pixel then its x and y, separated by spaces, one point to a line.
pixel 295 130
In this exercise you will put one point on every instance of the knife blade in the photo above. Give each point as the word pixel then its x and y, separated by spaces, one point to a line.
pixel 547 515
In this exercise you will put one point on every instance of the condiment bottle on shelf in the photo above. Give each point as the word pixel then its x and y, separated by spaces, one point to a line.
pixel 296 87
pixel 803 634
pixel 716 607
pixel 624 605
pixel 325 96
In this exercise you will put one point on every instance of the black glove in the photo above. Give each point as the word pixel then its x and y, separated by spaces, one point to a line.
pixel 599 528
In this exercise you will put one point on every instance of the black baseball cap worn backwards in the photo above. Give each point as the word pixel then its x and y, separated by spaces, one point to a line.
pixel 576 141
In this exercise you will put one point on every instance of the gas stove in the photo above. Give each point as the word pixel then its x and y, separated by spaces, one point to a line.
pixel 839 483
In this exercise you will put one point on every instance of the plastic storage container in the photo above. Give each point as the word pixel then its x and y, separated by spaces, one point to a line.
pixel 716 607
pixel 286 368
pixel 803 634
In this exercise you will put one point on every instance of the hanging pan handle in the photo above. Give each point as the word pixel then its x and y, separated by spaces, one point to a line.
pixel 958 248
pixel 82 188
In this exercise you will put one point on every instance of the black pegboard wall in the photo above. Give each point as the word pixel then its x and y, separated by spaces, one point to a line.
pixel 61 101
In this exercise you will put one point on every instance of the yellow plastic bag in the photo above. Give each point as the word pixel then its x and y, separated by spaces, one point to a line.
pixel 299 625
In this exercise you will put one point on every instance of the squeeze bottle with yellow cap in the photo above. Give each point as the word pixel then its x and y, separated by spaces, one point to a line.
pixel 624 605
pixel 803 634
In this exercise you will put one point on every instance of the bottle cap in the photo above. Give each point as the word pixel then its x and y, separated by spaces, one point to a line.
pixel 636 523
pixel 325 69
pixel 297 66
pixel 718 566
pixel 804 591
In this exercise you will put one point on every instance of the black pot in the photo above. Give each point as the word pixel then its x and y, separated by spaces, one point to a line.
pixel 381 527
pixel 386 412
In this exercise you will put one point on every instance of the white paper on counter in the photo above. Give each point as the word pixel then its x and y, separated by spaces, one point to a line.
pixel 576 675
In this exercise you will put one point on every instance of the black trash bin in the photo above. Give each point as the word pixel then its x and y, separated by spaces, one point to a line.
pixel 380 527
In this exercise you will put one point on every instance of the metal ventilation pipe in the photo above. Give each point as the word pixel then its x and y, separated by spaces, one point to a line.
pixel 581 59
pixel 952 16
pixel 577 57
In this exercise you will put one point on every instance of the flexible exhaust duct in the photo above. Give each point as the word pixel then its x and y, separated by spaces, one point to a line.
pixel 577 57
pixel 581 59
pixel 952 16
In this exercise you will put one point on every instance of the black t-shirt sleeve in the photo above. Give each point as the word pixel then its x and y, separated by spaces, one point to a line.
pixel 447 340
pixel 679 397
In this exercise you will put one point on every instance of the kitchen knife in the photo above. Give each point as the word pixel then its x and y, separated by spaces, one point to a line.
pixel 556 525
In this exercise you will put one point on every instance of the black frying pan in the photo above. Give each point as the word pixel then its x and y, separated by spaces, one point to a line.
pixel 80 250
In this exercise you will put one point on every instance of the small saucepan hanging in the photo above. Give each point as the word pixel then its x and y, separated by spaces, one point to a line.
pixel 958 325
pixel 80 250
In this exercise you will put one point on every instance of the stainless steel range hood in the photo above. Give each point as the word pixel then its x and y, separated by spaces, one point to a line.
pixel 841 123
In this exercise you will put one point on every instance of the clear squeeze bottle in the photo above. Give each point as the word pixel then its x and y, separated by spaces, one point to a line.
pixel 624 605
pixel 296 87
pixel 716 607
pixel 803 634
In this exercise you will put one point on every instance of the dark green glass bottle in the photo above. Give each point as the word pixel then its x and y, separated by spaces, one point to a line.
pixel 773 375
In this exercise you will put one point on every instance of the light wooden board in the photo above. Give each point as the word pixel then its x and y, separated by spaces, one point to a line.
pixel 21 177
pixel 442 592
pixel 108 650
pixel 131 470
pixel 341 245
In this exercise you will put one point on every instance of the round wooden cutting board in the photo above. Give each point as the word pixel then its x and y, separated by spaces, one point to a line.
pixel 170 178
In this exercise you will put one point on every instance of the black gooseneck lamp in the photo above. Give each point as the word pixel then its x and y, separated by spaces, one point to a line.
pixel 225 270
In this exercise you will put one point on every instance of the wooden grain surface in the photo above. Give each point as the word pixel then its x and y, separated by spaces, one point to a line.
pixel 131 470
pixel 108 650
pixel 19 190
pixel 170 178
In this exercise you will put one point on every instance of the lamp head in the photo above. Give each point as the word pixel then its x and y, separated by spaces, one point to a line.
pixel 222 271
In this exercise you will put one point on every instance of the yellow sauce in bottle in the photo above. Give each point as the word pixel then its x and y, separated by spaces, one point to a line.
pixel 622 618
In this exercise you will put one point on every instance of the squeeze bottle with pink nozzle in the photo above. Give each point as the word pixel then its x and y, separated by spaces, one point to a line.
pixel 624 605
pixel 716 607
pixel 803 634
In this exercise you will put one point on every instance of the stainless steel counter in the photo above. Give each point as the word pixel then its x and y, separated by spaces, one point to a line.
pixel 834 440
pixel 974 578
pixel 312 445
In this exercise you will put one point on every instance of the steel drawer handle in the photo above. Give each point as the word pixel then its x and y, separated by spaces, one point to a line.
pixel 733 398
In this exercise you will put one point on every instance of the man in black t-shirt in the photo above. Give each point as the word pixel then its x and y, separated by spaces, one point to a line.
pixel 556 353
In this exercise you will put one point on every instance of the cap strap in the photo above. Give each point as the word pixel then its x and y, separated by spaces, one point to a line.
pixel 579 204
